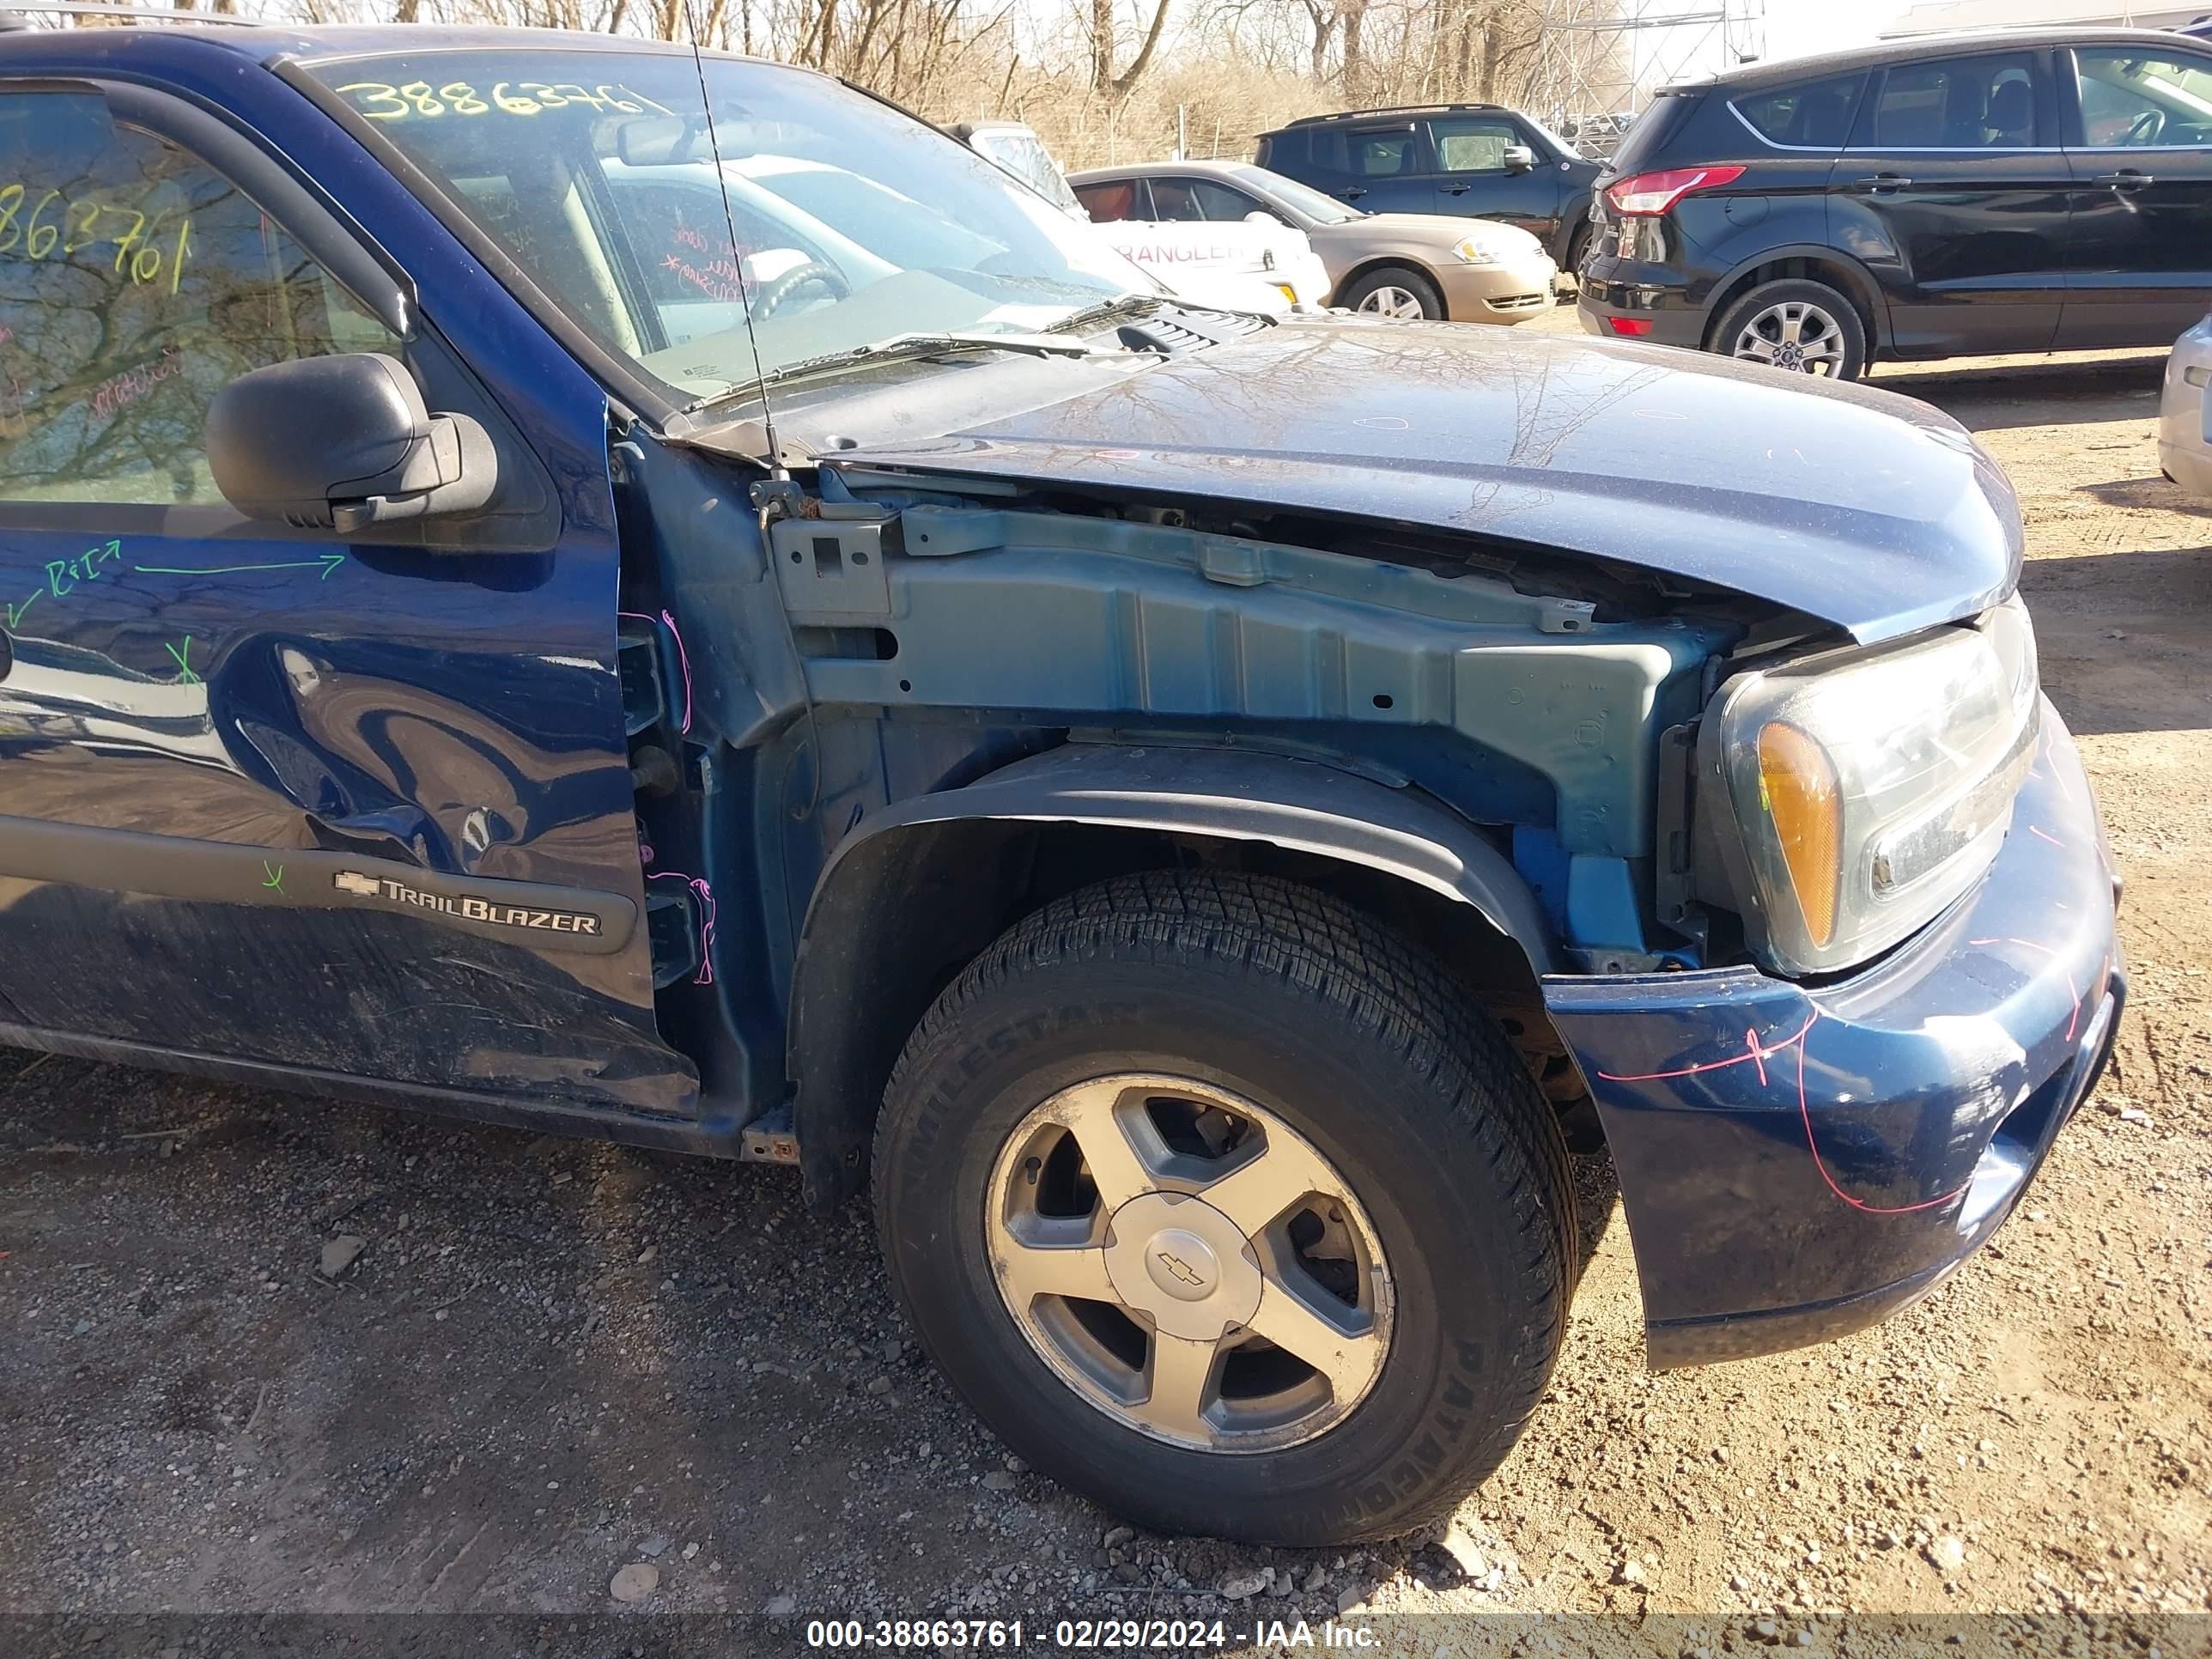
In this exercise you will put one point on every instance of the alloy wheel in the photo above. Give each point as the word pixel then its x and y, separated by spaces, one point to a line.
pixel 1391 300
pixel 1188 1263
pixel 1795 335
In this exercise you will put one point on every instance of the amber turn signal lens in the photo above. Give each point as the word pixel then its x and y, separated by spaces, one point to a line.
pixel 1797 787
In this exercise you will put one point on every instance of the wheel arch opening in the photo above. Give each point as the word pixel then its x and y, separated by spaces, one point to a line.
pixel 1844 277
pixel 901 915
pixel 1369 267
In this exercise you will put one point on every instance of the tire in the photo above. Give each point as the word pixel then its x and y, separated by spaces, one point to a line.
pixel 1351 1045
pixel 1805 326
pixel 1578 251
pixel 1417 295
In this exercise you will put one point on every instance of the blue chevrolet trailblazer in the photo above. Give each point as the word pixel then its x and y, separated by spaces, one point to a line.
pixel 555 581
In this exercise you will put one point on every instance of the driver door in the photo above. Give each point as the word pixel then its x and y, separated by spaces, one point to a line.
pixel 2140 233
pixel 298 803
pixel 1473 179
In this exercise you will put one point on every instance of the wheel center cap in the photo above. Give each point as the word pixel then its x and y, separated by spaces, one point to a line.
pixel 1181 1264
pixel 1180 1261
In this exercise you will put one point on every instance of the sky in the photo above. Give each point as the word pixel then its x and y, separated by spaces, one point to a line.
pixel 1789 28
pixel 1795 27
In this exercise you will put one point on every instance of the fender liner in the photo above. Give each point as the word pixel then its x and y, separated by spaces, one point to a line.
pixel 894 912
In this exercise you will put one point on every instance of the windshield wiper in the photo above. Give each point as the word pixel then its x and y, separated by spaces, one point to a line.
pixel 1120 304
pixel 901 347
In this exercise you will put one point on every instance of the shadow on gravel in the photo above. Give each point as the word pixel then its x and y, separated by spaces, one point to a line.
pixel 2059 390
pixel 2167 578
pixel 2157 493
pixel 2123 638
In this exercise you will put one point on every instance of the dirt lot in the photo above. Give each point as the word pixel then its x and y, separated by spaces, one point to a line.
pixel 555 1358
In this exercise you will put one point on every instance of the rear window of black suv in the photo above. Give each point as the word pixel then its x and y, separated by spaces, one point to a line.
pixel 1811 115
pixel 1652 129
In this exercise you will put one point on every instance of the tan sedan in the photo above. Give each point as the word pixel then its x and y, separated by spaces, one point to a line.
pixel 1399 264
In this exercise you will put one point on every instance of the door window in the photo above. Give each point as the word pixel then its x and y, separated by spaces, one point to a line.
pixel 1813 115
pixel 136 282
pixel 1985 102
pixel 1472 144
pixel 1109 204
pixel 2137 100
pixel 1201 199
pixel 1286 152
pixel 1379 153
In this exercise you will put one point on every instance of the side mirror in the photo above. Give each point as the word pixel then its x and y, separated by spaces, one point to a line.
pixel 1519 158
pixel 1261 216
pixel 343 442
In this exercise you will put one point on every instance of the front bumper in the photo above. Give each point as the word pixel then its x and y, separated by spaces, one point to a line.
pixel 1513 291
pixel 1306 276
pixel 1800 1162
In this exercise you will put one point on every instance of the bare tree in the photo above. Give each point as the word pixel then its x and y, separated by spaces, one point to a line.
pixel 1102 33
pixel 1102 46
pixel 1128 78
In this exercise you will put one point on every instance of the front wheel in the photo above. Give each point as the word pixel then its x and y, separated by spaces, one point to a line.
pixel 1395 291
pixel 1220 1204
pixel 1806 328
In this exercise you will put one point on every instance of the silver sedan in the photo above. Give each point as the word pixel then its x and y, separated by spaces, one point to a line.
pixel 2185 415
pixel 1440 266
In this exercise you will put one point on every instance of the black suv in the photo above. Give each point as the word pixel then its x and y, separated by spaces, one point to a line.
pixel 1482 160
pixel 2028 190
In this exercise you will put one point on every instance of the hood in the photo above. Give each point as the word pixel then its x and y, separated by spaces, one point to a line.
pixel 1866 510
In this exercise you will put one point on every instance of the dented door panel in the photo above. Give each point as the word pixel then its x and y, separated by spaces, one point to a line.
pixel 280 796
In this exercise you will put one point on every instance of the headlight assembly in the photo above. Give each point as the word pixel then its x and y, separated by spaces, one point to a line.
pixel 1866 791
pixel 1468 251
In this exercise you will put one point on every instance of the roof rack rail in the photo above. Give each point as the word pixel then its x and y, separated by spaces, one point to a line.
pixel 12 17
pixel 1392 109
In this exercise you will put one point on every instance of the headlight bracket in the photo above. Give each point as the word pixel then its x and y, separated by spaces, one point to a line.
pixel 1673 868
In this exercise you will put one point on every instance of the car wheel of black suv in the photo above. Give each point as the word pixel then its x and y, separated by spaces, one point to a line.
pixel 1223 1205
pixel 1803 326
pixel 1395 291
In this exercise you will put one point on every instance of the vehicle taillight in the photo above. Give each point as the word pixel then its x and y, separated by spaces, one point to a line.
pixel 1633 328
pixel 1654 193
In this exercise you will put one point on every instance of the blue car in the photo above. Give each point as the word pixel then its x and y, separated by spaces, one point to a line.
pixel 545 580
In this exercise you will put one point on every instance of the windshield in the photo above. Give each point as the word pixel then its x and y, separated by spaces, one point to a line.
pixel 848 224
pixel 1300 198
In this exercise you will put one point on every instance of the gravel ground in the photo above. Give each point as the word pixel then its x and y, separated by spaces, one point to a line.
pixel 553 1375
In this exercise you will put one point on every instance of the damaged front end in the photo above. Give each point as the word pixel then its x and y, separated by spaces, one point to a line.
pixel 1548 626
